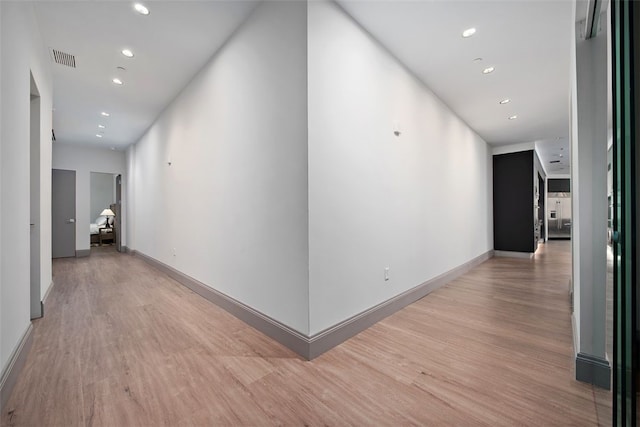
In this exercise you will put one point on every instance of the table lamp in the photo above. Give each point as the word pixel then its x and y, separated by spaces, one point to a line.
pixel 107 212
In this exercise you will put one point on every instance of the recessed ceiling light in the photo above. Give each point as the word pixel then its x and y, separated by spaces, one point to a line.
pixel 488 70
pixel 141 9
pixel 98 135
pixel 468 32
pixel 105 114
pixel 515 116
pixel 127 53
pixel 101 126
pixel 117 81
pixel 505 101
pixel 113 148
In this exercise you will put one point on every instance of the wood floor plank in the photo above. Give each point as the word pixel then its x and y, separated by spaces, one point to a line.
pixel 124 345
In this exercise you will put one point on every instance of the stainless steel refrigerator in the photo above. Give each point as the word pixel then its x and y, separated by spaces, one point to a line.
pixel 559 218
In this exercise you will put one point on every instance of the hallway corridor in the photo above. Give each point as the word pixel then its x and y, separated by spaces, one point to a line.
pixel 122 344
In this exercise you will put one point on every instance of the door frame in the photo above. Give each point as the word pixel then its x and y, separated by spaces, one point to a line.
pixel 118 213
pixel 35 265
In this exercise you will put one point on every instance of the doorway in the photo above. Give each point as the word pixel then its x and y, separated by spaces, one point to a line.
pixel 63 213
pixel 105 196
pixel 34 206
pixel 559 215
pixel 541 209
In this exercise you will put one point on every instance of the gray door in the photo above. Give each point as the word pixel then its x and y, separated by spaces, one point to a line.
pixel 63 213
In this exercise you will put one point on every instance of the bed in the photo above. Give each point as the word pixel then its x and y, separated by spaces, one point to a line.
pixel 94 228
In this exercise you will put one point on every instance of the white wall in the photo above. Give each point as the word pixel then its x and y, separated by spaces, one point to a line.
pixel 513 148
pixel 2 342
pixel 85 160
pixel 589 191
pixel 420 203
pixel 129 193
pixel 575 185
pixel 230 187
pixel 233 202
pixel 22 50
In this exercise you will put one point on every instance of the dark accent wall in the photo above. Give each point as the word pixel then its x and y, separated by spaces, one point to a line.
pixel 559 185
pixel 513 216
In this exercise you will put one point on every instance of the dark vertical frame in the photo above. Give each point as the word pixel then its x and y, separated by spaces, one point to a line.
pixel 624 218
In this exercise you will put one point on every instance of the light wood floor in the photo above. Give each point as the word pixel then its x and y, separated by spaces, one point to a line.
pixel 122 344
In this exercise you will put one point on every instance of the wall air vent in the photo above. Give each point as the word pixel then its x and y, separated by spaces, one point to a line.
pixel 63 58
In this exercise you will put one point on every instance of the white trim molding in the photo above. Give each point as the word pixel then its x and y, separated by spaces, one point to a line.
pixel 15 365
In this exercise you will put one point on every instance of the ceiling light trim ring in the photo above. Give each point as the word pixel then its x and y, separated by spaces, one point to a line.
pixel 141 9
pixel 468 32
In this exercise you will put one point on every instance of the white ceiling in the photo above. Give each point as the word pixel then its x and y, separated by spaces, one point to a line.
pixel 171 45
pixel 555 155
pixel 527 41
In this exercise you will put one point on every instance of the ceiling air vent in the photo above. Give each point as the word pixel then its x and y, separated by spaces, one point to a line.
pixel 63 58
pixel 554 161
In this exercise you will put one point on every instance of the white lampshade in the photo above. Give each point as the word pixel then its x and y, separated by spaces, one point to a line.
pixel 107 212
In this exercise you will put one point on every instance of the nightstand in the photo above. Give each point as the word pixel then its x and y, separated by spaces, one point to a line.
pixel 106 234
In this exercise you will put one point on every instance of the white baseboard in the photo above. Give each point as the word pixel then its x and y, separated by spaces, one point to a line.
pixel 14 366
pixel 512 254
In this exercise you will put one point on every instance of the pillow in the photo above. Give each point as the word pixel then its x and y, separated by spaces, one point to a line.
pixel 111 220
pixel 101 220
